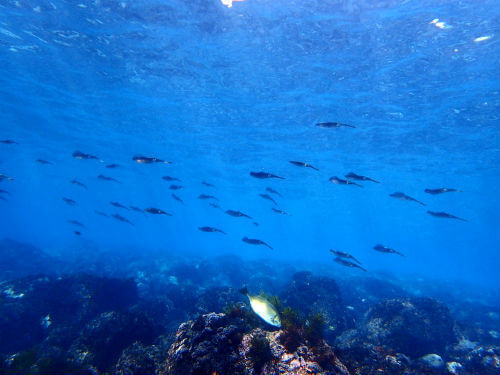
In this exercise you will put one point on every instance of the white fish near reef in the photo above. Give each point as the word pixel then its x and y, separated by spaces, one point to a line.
pixel 263 308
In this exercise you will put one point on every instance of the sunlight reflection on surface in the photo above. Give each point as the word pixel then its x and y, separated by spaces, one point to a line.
pixel 229 3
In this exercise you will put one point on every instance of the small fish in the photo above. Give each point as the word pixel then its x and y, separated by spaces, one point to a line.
pixel 444 215
pixel 9 142
pixel 119 205
pixel 207 184
pixel 156 211
pixel 78 233
pixel 237 214
pixel 122 219
pixel 255 223
pixel 41 161
pixel 346 263
pixel 82 156
pixel 211 229
pixel 384 249
pixel 5 177
pixel 354 176
pixel 281 212
pixel 272 191
pixel 404 197
pixel 113 166
pixel 340 181
pixel 147 160
pixel 69 201
pixel 136 209
pixel 78 183
pixel 77 223
pixel 263 308
pixel 268 197
pixel 253 241
pixel 263 175
pixel 100 213
pixel 175 187
pixel 214 205
pixel 4 192
pixel 441 191
pixel 302 164
pixel 107 178
pixel 341 254
pixel 330 125
pixel 178 199
pixel 168 178
pixel 204 196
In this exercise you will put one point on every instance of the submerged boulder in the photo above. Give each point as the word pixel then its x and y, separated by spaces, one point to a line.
pixel 33 308
pixel 225 344
pixel 413 326
pixel 19 260
pixel 101 343
pixel 310 294
pixel 206 345
pixel 218 299
pixel 484 361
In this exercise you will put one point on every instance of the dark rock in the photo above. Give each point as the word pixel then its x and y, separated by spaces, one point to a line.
pixel 414 326
pixel 484 361
pixel 218 299
pixel 141 360
pixel 311 294
pixel 102 341
pixel 204 346
pixel 19 260
pixel 223 344
pixel 34 307
pixel 430 364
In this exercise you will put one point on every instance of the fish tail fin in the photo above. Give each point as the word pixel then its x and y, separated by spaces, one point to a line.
pixel 243 290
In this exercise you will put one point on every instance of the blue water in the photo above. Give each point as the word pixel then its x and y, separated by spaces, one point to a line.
pixel 223 91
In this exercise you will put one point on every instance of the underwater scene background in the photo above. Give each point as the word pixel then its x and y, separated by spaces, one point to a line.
pixel 341 158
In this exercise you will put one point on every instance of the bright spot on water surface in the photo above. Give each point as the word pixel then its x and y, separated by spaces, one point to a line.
pixel 229 3
pixel 440 24
pixel 482 38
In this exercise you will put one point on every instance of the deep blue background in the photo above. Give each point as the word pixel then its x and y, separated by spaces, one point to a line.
pixel 222 91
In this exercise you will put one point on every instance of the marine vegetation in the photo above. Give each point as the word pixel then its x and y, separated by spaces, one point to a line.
pixel 260 351
pixel 299 329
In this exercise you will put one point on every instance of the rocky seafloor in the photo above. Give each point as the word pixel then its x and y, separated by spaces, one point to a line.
pixel 182 316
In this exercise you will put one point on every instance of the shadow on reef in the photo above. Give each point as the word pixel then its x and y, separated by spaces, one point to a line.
pixel 87 324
